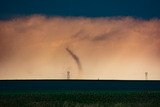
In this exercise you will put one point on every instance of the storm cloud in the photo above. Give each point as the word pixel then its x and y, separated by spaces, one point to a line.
pixel 110 48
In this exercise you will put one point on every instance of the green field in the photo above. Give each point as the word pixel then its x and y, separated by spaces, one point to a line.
pixel 79 99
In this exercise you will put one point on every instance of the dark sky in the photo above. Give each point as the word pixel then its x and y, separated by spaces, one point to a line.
pixel 145 9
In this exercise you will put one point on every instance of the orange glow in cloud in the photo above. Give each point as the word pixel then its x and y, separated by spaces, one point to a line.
pixel 34 47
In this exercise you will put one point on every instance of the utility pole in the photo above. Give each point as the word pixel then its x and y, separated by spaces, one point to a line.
pixel 68 75
pixel 146 75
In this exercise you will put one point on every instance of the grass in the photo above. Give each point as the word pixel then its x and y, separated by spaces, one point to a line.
pixel 79 98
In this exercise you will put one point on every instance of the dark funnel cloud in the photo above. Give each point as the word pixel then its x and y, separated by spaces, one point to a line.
pixel 75 57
